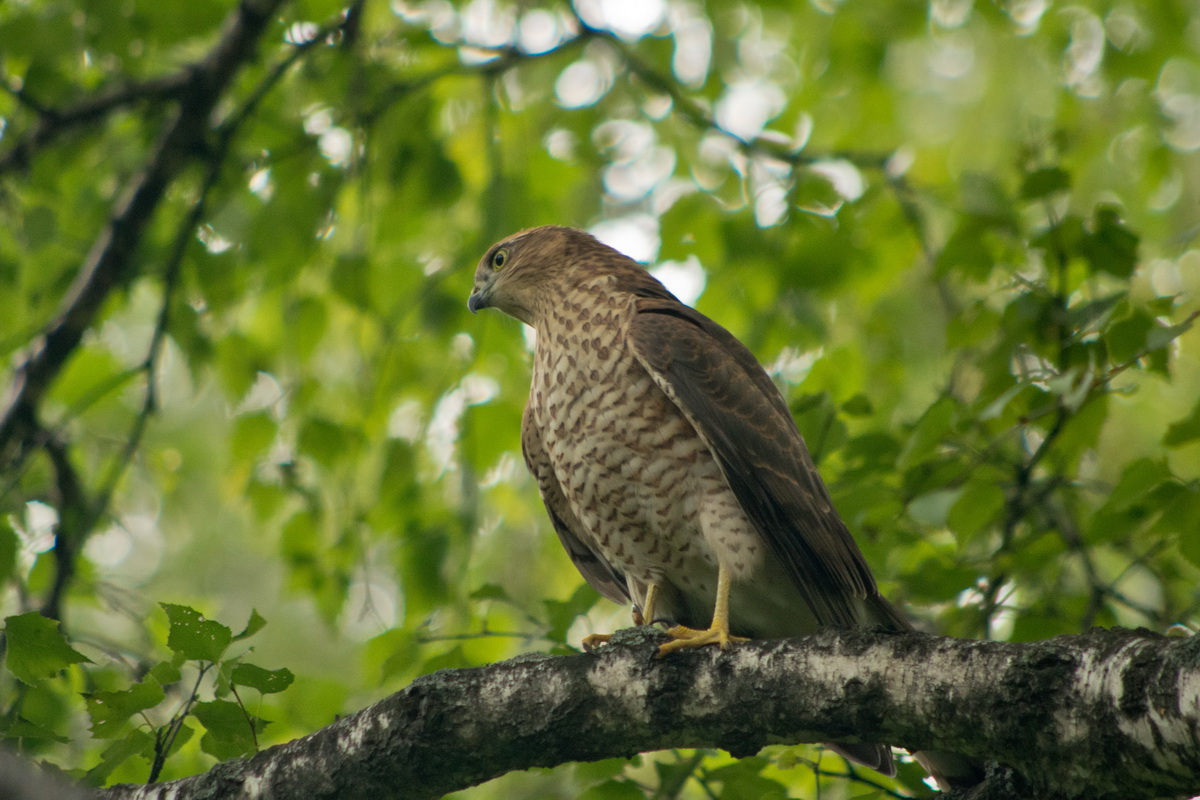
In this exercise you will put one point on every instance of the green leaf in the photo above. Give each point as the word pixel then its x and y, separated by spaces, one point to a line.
pixel 36 648
pixel 858 406
pixel 229 730
pixel 300 537
pixel 819 424
pixel 328 442
pixel 1126 338
pixel 934 426
pixel 876 450
pixel 615 789
pixel 22 728
pixel 1045 181
pixel 252 435
pixel 966 251
pixel 984 199
pixel 1082 429
pixel 136 742
pixel 307 319
pixel 453 658
pixel 932 508
pixel 255 624
pixel 41 227
pixel 31 732
pixel 1137 480
pixel 183 735
pixel 1110 246
pixel 483 438
pixel 350 280
pixel 1093 314
pixel 266 681
pixel 91 378
pixel 422 563
pixel 605 769
pixel 1162 335
pixel 1189 545
pixel 193 636
pixel 109 711
pixel 490 591
pixel 1181 521
pixel 980 504
pixel 9 546
pixel 238 363
pixel 815 193
pixel 166 673
pixel 562 614
pixel 692 227
pixel 392 653
pixel 1184 431
pixel 743 778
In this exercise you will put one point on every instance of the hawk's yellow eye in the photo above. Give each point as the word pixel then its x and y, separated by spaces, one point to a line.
pixel 499 259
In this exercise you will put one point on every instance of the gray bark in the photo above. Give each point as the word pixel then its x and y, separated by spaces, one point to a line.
pixel 1109 714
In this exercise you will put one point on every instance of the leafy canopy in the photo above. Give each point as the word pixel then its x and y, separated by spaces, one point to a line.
pixel 960 234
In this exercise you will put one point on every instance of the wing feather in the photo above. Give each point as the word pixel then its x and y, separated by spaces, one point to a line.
pixel 740 414
pixel 602 575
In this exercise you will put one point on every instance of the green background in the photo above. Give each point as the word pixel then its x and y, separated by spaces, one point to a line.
pixel 960 235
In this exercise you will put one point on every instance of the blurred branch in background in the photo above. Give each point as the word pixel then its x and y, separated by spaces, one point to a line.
pixel 108 263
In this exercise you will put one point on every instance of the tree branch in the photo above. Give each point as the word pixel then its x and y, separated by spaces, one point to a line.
pixel 54 122
pixel 1110 714
pixel 107 265
pixel 75 510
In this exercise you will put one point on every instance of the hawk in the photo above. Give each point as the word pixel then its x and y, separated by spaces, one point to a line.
pixel 667 459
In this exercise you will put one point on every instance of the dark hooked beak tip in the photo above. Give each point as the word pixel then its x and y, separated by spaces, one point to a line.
pixel 476 302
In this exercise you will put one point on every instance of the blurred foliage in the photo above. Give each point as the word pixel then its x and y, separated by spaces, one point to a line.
pixel 961 234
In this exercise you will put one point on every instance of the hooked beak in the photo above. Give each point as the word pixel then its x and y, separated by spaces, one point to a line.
pixel 477 300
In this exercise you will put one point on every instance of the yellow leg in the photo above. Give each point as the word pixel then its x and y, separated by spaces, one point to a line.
pixel 717 633
pixel 647 614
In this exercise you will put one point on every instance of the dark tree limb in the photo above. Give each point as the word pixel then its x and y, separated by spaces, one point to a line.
pixel 1110 714
pixel 75 510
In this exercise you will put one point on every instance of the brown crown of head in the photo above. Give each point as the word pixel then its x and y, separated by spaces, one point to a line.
pixel 520 273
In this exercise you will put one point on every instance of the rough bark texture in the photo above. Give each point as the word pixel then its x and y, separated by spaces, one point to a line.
pixel 1110 714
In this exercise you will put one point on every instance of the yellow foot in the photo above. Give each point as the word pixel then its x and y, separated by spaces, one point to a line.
pixel 594 640
pixel 638 619
pixel 687 638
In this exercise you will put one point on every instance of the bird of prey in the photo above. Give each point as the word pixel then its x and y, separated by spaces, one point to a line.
pixel 667 459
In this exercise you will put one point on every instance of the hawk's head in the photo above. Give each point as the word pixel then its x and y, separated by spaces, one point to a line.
pixel 519 272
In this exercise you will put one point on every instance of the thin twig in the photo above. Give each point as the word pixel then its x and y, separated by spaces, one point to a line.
pixel 685 769
pixel 74 516
pixel 164 739
pixel 852 774
pixel 246 714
